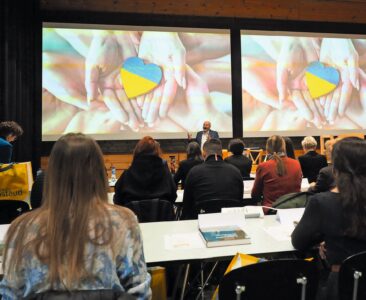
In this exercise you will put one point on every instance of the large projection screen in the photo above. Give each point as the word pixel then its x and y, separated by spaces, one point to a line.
pixel 125 82
pixel 300 84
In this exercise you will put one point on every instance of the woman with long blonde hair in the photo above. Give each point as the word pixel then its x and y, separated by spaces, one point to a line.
pixel 75 240
pixel 279 175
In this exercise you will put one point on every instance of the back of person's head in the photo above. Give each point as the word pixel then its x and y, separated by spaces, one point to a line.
pixel 276 148
pixel 349 165
pixel 236 146
pixel 194 151
pixel 75 194
pixel 212 147
pixel 289 147
pixel 309 143
pixel 10 128
pixel 147 146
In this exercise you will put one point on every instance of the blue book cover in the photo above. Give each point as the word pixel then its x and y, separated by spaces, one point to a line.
pixel 224 236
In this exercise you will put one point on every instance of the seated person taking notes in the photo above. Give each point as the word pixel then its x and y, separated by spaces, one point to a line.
pixel 311 162
pixel 243 163
pixel 148 177
pixel 194 158
pixel 214 179
pixel 279 175
pixel 337 218
pixel 76 240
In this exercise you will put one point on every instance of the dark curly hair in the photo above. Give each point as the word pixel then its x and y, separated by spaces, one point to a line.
pixel 10 128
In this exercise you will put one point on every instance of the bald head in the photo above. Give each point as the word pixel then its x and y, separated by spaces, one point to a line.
pixel 206 126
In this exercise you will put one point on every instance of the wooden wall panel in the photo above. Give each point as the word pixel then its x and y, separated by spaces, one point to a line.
pixel 350 11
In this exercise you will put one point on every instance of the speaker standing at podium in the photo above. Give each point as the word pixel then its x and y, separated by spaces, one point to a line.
pixel 204 135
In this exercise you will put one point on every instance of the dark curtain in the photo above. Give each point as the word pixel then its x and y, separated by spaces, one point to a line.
pixel 20 74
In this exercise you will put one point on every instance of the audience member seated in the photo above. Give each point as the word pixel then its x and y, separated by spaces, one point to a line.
pixel 290 152
pixel 278 176
pixel 337 219
pixel 243 163
pixel 37 190
pixel 148 177
pixel 311 162
pixel 214 179
pixel 9 132
pixel 194 158
pixel 75 240
pixel 325 180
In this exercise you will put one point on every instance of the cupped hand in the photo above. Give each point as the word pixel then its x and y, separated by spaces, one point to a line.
pixel 167 51
pixel 341 54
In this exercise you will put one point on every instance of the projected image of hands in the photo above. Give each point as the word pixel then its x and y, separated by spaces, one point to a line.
pixel 113 82
pixel 292 83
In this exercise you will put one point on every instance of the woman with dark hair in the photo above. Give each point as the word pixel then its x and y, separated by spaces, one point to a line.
pixel 194 158
pixel 148 177
pixel 338 217
pixel 279 175
pixel 243 163
pixel 9 132
pixel 290 152
pixel 75 240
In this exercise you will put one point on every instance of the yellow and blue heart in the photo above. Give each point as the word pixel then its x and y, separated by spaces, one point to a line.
pixel 139 78
pixel 320 79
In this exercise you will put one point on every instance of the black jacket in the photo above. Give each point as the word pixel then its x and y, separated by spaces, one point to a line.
pixel 325 181
pixel 243 163
pixel 184 167
pixel 214 179
pixel 311 163
pixel 323 221
pixel 147 178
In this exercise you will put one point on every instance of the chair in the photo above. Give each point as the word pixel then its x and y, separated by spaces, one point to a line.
pixel 215 205
pixel 11 209
pixel 287 279
pixel 352 277
pixel 81 295
pixel 152 210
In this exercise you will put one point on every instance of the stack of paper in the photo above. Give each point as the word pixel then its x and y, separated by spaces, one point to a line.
pixel 249 211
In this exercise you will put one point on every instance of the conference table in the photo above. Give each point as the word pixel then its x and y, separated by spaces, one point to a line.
pixel 248 186
pixel 179 241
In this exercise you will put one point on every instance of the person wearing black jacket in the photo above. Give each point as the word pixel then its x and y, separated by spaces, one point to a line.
pixel 214 179
pixel 243 163
pixel 311 162
pixel 337 219
pixel 194 158
pixel 148 177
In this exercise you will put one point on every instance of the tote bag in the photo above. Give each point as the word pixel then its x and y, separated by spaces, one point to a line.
pixel 16 181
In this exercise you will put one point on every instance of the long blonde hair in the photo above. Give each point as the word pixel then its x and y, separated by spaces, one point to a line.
pixel 73 213
pixel 276 147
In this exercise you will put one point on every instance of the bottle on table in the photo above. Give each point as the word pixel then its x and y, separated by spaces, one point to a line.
pixel 113 174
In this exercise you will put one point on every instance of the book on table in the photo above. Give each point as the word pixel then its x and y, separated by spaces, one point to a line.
pixel 222 229
pixel 224 236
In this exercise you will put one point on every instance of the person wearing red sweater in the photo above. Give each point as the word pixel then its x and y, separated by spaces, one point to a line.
pixel 279 175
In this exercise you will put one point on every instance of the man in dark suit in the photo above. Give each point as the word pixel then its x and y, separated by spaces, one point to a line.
pixel 205 135
pixel 214 179
pixel 311 162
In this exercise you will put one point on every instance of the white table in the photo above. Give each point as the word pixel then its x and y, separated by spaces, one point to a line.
pixel 248 186
pixel 262 243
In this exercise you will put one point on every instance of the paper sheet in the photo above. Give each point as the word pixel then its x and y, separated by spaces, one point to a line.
pixel 281 232
pixel 191 240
